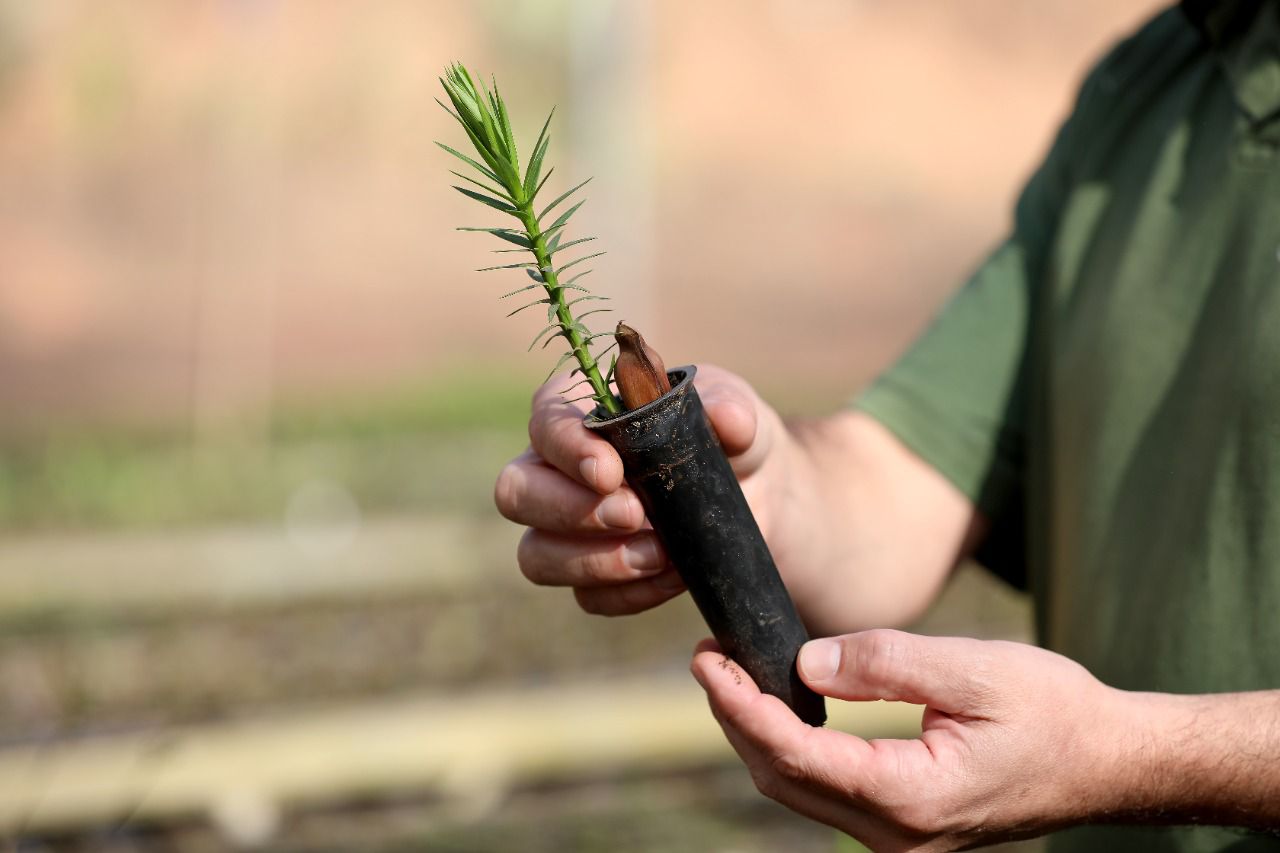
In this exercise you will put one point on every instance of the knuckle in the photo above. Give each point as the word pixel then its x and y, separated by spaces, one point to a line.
pixel 527 557
pixel 506 490
pixel 602 565
pixel 541 421
pixel 791 767
pixel 918 823
pixel 560 435
pixel 766 783
pixel 598 602
pixel 630 598
pixel 588 601
pixel 911 819
pixel 565 516
pixel 880 655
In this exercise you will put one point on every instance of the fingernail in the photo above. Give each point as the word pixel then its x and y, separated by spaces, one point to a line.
pixel 669 582
pixel 616 511
pixel 642 554
pixel 587 468
pixel 819 659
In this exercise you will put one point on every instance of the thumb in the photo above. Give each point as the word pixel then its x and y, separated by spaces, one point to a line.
pixel 951 674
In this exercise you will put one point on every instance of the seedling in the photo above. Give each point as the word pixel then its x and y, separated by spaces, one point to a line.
pixel 483 115
pixel 670 455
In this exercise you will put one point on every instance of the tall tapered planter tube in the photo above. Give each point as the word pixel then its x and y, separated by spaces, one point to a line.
pixel 676 466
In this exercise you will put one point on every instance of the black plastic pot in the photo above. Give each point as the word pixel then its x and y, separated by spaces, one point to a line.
pixel 675 464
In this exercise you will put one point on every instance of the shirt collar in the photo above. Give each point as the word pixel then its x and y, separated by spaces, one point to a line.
pixel 1245 36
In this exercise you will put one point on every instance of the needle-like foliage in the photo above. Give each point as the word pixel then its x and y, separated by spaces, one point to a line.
pixel 499 184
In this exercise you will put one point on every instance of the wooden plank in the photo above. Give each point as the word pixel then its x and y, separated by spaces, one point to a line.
pixel 150 571
pixel 469 748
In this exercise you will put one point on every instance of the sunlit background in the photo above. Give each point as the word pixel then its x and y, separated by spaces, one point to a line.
pixel 253 593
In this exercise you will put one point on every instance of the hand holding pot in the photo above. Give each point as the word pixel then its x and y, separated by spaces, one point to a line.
pixel 586 527
pixel 1016 740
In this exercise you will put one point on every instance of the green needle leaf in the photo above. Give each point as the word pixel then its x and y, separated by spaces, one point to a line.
pixel 462 100
pixel 558 247
pixel 538 337
pixel 573 373
pixel 535 161
pixel 585 299
pixel 530 305
pixel 559 364
pixel 505 122
pixel 551 206
pixel 518 290
pixel 521 265
pixel 508 234
pixel 535 166
pixel 570 282
pixel 486 119
pixel 548 234
pixel 529 197
pixel 502 194
pixel 564 217
pixel 503 173
pixel 464 158
pixel 496 204
pixel 578 261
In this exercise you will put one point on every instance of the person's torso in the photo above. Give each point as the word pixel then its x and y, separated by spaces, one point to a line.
pixel 1154 502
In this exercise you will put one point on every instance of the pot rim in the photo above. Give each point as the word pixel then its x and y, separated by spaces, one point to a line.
pixel 687 372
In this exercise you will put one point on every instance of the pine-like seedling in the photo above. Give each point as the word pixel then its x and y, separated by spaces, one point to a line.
pixel 502 187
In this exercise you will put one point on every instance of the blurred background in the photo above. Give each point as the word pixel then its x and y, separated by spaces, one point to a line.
pixel 253 593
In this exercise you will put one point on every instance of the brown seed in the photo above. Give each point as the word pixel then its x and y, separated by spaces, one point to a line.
pixel 640 373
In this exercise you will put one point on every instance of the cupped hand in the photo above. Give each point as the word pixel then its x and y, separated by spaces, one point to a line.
pixel 587 529
pixel 1015 740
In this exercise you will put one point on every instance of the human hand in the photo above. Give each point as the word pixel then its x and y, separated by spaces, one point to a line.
pixel 1015 740
pixel 587 529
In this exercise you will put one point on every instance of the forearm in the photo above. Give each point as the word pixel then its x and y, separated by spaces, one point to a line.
pixel 1211 759
pixel 867 532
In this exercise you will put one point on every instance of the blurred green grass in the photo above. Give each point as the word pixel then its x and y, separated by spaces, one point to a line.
pixel 430 446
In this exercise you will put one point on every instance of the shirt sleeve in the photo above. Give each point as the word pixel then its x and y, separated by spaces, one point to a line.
pixel 958 397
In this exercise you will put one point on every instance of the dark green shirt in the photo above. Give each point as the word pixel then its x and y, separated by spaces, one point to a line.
pixel 1107 385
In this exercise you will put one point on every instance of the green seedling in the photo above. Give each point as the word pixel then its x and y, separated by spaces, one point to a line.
pixel 483 115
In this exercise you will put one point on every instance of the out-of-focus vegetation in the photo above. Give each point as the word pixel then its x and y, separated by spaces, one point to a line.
pixel 433 446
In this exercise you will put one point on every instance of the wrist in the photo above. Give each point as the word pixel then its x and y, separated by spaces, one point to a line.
pixel 1195 758
pixel 1126 764
pixel 794 520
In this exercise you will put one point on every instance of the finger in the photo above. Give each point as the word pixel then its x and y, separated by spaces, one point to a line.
pixel 764 719
pixel 707 644
pixel 557 434
pixel 627 598
pixel 814 804
pixel 952 674
pixel 549 559
pixel 735 412
pixel 534 494
pixel 817 772
pixel 821 757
